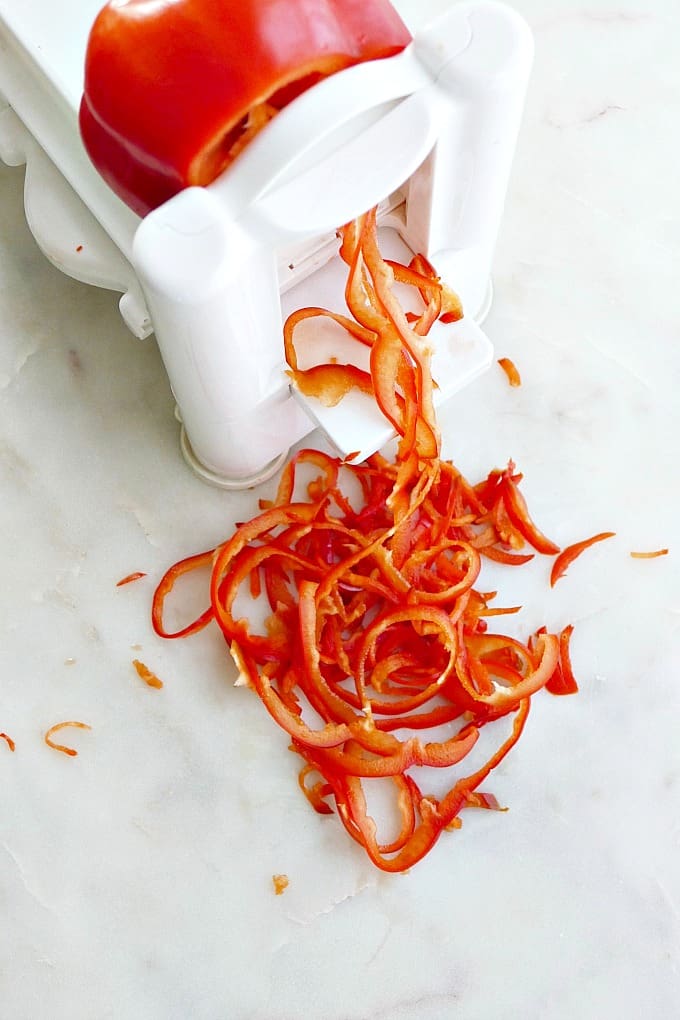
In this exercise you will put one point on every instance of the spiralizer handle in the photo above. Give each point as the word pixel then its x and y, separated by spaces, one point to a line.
pixel 316 125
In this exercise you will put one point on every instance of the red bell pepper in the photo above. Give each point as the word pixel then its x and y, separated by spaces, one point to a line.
pixel 170 84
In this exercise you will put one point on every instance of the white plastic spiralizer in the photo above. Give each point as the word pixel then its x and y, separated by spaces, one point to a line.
pixel 428 135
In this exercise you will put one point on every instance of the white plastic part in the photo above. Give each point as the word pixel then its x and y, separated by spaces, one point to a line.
pixel 430 134
pixel 42 53
pixel 456 198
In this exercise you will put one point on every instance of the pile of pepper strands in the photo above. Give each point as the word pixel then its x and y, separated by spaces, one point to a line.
pixel 373 620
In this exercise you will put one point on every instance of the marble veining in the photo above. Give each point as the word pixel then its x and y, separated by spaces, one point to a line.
pixel 136 878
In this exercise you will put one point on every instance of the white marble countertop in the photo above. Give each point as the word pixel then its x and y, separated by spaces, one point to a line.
pixel 136 878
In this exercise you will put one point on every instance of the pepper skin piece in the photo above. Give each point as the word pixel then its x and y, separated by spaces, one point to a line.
pixel 170 83
pixel 568 555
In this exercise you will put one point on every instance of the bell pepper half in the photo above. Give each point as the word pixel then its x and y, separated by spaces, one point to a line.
pixel 174 88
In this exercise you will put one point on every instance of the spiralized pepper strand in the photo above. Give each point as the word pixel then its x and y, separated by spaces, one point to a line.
pixel 376 656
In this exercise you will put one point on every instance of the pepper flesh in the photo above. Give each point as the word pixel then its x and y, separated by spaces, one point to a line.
pixel 169 86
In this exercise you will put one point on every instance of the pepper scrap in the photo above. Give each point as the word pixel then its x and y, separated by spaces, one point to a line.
pixel 511 371
pixel 375 656
pixel 145 674
pixel 62 747
pixel 173 91
pixel 280 883
pixel 568 555
pixel 8 740
pixel 129 578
